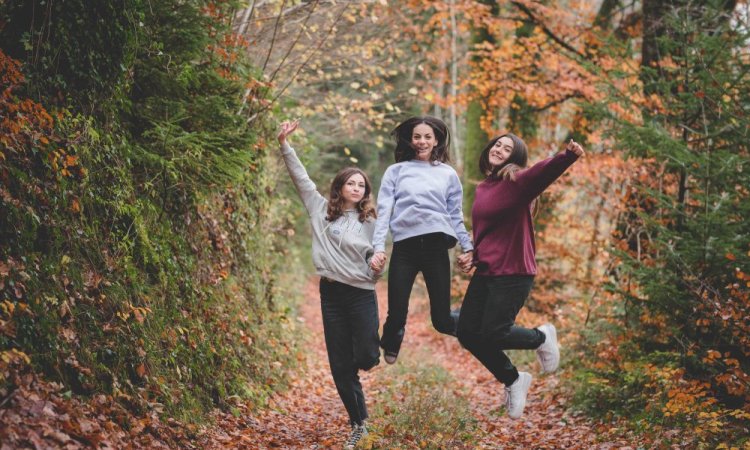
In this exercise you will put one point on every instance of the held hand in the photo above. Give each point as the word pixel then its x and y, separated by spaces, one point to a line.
pixel 287 128
pixel 574 147
pixel 465 261
pixel 377 263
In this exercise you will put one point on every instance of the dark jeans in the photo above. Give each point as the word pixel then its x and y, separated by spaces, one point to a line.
pixel 427 254
pixel 350 325
pixel 486 326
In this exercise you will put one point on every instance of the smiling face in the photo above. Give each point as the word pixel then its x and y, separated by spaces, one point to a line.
pixel 353 190
pixel 501 151
pixel 423 140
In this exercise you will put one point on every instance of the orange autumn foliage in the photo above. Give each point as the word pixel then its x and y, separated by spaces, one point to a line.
pixel 27 130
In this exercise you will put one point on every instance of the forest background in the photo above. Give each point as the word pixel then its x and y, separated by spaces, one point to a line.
pixel 151 255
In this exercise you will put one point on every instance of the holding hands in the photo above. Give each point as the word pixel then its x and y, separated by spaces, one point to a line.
pixel 465 261
pixel 287 128
pixel 377 263
pixel 574 147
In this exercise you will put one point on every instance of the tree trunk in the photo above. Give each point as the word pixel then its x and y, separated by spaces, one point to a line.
pixel 475 137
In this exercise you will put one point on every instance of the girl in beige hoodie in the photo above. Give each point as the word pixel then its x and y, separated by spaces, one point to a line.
pixel 342 226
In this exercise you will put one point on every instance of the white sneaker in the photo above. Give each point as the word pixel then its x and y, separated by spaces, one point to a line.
pixel 548 353
pixel 515 395
pixel 358 432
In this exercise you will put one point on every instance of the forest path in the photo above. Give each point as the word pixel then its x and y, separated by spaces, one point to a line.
pixel 310 415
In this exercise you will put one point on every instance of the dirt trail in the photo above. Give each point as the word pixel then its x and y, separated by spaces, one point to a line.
pixel 310 415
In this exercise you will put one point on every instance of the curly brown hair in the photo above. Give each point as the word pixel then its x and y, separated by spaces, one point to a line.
pixel 336 201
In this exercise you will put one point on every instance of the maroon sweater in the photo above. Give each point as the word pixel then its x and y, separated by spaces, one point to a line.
pixel 501 217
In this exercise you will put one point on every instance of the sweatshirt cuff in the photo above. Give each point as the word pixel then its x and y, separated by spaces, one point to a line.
pixel 286 148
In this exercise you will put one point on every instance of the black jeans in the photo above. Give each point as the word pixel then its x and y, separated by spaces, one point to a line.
pixel 486 326
pixel 427 254
pixel 350 325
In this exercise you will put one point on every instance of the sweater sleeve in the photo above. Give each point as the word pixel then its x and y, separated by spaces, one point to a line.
pixel 534 180
pixel 385 209
pixel 455 211
pixel 306 189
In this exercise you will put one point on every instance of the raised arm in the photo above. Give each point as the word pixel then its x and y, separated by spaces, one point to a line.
pixel 306 189
pixel 538 177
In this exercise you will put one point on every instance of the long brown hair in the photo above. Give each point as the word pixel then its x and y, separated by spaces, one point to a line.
pixel 518 159
pixel 403 132
pixel 336 200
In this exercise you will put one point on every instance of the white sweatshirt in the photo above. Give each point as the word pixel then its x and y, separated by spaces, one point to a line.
pixel 420 197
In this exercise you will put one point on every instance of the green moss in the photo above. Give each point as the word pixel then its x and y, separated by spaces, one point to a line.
pixel 158 287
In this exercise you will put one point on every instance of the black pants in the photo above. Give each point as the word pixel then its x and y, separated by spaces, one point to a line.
pixel 486 326
pixel 427 254
pixel 350 325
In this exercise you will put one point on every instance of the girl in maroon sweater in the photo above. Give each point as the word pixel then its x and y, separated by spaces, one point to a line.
pixel 504 257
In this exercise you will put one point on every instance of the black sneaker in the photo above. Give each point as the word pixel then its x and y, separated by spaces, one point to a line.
pixel 389 356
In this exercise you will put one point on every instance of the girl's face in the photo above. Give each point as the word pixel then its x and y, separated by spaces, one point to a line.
pixel 353 191
pixel 500 152
pixel 423 140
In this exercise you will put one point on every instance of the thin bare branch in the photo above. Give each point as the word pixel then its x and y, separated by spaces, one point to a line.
pixel 273 38
pixel 530 14
pixel 296 40
pixel 281 91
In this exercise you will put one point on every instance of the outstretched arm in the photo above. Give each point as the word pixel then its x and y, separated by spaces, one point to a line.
pixel 538 177
pixel 306 189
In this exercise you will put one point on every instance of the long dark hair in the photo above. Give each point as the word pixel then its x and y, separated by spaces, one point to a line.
pixel 518 159
pixel 336 200
pixel 403 132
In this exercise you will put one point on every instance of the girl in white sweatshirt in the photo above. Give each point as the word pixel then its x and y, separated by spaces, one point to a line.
pixel 420 203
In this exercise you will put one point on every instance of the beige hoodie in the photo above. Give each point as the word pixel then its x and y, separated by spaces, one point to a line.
pixel 341 250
